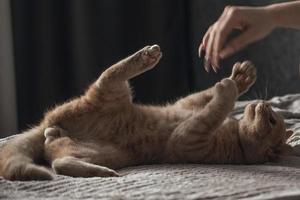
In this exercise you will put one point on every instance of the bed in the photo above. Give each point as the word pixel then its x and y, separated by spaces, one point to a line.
pixel 184 181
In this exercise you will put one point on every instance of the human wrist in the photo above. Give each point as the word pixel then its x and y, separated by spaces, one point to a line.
pixel 273 15
pixel 285 15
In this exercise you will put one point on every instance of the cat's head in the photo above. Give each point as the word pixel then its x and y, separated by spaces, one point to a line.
pixel 263 134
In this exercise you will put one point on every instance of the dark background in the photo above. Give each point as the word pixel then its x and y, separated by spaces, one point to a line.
pixel 61 46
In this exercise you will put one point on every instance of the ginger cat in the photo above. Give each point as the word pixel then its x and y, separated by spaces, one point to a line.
pixel 103 130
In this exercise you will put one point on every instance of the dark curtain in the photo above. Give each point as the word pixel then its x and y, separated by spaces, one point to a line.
pixel 61 46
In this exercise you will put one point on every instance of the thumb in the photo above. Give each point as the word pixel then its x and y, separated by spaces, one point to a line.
pixel 238 43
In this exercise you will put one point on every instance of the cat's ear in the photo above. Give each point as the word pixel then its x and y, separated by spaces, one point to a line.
pixel 288 134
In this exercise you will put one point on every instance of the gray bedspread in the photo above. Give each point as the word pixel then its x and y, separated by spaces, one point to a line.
pixel 268 181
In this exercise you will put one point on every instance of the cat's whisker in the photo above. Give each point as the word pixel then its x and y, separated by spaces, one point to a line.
pixel 266 90
pixel 259 95
pixel 299 69
pixel 262 95
pixel 265 94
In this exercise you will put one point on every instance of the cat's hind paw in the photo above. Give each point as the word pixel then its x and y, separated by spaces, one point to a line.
pixel 149 56
pixel 52 133
pixel 244 74
pixel 152 52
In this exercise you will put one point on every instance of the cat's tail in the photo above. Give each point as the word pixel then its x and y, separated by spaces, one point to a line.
pixel 19 156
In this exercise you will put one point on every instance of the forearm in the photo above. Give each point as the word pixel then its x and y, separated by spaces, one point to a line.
pixel 197 100
pixel 286 14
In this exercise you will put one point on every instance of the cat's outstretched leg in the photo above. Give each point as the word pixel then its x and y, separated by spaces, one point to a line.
pixel 195 101
pixel 19 157
pixel 113 85
pixel 71 166
pixel 141 61
pixel 202 125
pixel 244 74
pixel 82 159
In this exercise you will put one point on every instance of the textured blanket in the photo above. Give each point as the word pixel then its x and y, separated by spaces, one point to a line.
pixel 268 181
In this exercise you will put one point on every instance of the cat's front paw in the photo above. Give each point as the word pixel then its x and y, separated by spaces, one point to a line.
pixel 226 89
pixel 244 74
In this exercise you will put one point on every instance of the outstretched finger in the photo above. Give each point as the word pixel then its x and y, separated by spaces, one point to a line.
pixel 205 39
pixel 227 23
pixel 209 51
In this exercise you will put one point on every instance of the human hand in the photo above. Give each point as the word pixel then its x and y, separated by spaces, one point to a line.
pixel 253 22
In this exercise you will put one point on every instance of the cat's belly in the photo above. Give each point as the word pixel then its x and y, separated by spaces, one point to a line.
pixel 147 148
pixel 146 140
pixel 120 142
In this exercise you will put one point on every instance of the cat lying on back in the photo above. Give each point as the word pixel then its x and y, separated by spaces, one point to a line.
pixel 103 130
